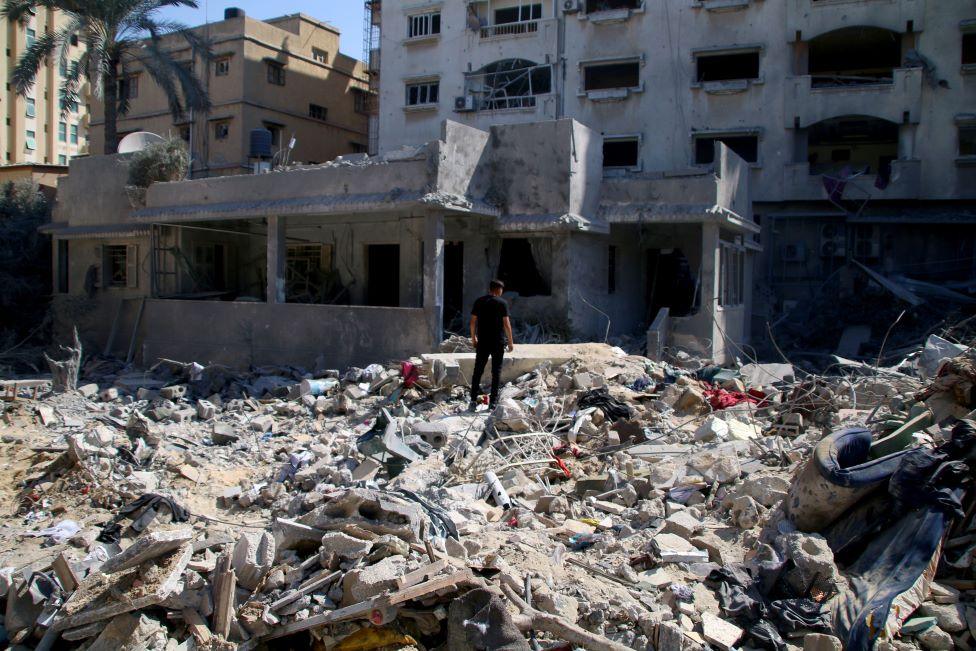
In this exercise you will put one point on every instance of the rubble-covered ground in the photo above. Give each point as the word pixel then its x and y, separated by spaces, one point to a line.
pixel 608 503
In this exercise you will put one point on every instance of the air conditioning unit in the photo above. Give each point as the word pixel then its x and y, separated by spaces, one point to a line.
pixel 464 103
pixel 572 6
pixel 796 252
pixel 867 242
pixel 833 241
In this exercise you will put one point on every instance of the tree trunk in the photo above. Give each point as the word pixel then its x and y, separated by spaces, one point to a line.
pixel 110 83
pixel 65 373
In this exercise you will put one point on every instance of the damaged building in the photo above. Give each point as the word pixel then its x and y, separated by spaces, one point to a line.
pixel 855 118
pixel 375 256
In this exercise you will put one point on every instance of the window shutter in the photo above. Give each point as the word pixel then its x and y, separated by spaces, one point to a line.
pixel 132 265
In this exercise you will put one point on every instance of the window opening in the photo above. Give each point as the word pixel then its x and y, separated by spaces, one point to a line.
pixel 594 6
pixel 423 93
pixel 512 83
pixel 621 152
pixel 525 266
pixel 604 76
pixel 424 25
pixel 746 146
pixel 728 67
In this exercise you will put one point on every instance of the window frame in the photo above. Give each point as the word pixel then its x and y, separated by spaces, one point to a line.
pixel 732 277
pixel 964 128
pixel 626 137
pixel 718 135
pixel 30 140
pixel 30 109
pixel 320 56
pixel 221 127
pixel 112 256
pixel 423 87
pixel 275 73
pixel 222 66
pixel 424 25
pixel 318 108
pixel 62 132
pixel 73 134
pixel 584 66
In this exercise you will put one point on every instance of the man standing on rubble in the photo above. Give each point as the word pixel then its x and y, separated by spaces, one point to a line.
pixel 490 330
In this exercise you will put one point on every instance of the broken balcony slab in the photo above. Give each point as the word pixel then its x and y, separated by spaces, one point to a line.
pixel 102 596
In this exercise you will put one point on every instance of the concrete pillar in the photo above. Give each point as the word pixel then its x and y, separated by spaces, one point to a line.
pixel 434 276
pixel 906 142
pixel 277 253
pixel 710 285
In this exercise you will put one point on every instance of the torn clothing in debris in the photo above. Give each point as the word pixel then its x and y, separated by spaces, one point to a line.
pixel 142 512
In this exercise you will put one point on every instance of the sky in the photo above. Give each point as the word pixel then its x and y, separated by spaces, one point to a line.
pixel 347 15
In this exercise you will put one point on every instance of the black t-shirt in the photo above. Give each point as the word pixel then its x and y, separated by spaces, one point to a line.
pixel 491 312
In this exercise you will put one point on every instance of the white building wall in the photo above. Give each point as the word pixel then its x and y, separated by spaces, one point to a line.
pixel 669 107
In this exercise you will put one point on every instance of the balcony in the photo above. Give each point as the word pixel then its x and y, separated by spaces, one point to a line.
pixel 906 182
pixel 811 102
pixel 806 19
pixel 510 29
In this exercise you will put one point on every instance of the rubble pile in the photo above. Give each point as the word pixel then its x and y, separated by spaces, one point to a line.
pixel 610 502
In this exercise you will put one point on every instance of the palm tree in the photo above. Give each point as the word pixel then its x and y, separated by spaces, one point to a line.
pixel 117 35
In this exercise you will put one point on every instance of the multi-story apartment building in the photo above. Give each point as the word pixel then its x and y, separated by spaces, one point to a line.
pixel 40 128
pixel 857 117
pixel 285 75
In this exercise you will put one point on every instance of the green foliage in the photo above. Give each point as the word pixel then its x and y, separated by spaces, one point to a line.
pixel 25 262
pixel 158 163
pixel 118 36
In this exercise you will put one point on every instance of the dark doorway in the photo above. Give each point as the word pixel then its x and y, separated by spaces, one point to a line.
pixel 383 275
pixel 669 283
pixel 453 283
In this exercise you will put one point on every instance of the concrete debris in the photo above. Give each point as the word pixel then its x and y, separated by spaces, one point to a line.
pixel 221 510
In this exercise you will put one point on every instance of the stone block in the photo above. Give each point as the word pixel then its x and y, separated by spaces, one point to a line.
pixel 720 633
pixel 206 410
pixel 263 424
pixel 174 392
pixel 253 558
pixel 821 642
pixel 373 580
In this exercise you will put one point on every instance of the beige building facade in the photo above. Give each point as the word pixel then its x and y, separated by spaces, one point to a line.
pixel 39 129
pixel 285 75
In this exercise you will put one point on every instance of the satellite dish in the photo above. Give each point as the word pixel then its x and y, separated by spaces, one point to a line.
pixel 138 141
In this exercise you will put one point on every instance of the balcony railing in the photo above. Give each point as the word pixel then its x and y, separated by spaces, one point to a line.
pixel 510 29
pixel 502 103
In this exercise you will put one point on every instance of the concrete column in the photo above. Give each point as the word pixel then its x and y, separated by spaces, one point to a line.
pixel 434 276
pixel 277 253
pixel 906 142
pixel 710 285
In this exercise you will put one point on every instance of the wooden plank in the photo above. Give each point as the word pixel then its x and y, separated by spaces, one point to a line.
pixel 435 584
pixel 197 626
pixel 415 577
pixel 224 587
pixel 356 611
pixel 311 585
pixel 69 580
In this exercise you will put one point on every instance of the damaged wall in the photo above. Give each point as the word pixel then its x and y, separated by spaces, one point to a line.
pixel 255 334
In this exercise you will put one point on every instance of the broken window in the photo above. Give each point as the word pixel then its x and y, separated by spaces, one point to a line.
pixel 525 266
pixel 745 145
pixel 118 265
pixel 727 67
pixel 308 273
pixel 427 24
pixel 521 14
pixel 593 6
pixel 222 130
pixel 852 143
pixel 621 152
pixel 604 76
pixel 967 140
pixel 423 93
pixel 969 48
pixel 732 275
pixel 512 83
pixel 854 56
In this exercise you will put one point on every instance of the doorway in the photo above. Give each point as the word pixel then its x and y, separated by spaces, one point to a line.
pixel 669 283
pixel 383 275
pixel 454 286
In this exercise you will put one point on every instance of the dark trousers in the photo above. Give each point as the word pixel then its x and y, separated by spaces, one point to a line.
pixel 497 354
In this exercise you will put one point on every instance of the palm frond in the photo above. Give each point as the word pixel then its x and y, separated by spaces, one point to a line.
pixel 32 60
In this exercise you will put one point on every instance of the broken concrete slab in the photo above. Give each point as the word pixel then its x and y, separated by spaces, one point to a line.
pixel 374 511
pixel 130 632
pixel 254 556
pixel 147 547
pixel 719 632
pixel 104 596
